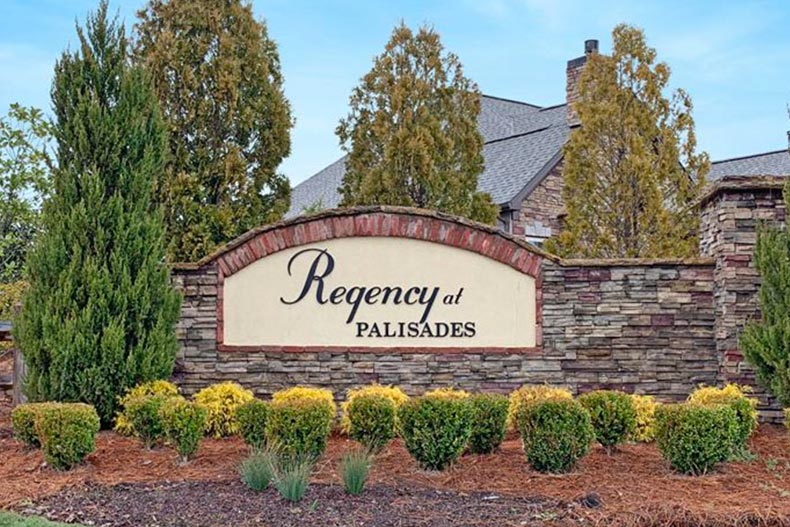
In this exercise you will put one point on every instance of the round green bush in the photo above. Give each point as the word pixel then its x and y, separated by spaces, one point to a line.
pixel 300 427
pixel 67 432
pixel 436 429
pixel 23 421
pixel 143 415
pixel 183 424
pixel 694 438
pixel 251 417
pixel 555 433
pixel 371 420
pixel 613 416
pixel 489 420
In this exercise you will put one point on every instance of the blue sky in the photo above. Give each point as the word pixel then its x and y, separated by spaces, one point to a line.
pixel 732 57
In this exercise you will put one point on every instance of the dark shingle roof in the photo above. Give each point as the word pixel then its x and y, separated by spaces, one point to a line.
pixel 520 138
pixel 767 164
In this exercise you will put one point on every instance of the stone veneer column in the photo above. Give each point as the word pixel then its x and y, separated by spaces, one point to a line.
pixel 731 214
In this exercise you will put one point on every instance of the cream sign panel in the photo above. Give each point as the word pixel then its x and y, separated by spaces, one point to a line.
pixel 379 292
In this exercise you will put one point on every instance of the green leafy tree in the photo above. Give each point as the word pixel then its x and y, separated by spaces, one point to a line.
pixel 632 173
pixel 766 342
pixel 217 75
pixel 411 134
pixel 99 314
pixel 24 182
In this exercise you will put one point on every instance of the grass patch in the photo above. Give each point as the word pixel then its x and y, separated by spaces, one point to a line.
pixel 8 519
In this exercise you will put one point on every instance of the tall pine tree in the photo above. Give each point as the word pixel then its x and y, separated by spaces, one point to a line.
pixel 411 134
pixel 217 74
pixel 632 173
pixel 99 315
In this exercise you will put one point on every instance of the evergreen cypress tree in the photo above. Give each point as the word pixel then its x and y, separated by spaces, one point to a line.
pixel 766 343
pixel 100 313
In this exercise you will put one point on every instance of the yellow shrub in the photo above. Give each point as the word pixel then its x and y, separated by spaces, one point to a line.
pixel 735 396
pixel 447 393
pixel 221 402
pixel 299 393
pixel 646 406
pixel 122 423
pixel 529 394
pixel 392 393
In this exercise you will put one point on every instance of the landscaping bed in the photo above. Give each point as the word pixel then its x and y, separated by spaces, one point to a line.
pixel 121 480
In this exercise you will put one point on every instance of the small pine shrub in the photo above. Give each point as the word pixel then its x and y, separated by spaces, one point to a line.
pixel 372 420
pixel 613 416
pixel 354 469
pixel 489 420
pixel 67 432
pixel 694 438
pixel 645 406
pixel 529 394
pixel 143 415
pixel 435 429
pixel 292 476
pixel 183 423
pixel 257 470
pixel 393 393
pixel 307 392
pixel 251 417
pixel 221 401
pixel 300 427
pixel 23 421
pixel 122 424
pixel 745 409
pixel 555 433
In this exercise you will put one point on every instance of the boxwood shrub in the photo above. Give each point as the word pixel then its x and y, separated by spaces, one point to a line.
pixel 489 419
pixel 555 433
pixel 23 421
pixel 435 429
pixel 745 410
pixel 299 427
pixel 694 438
pixel 143 415
pixel 393 393
pixel 529 394
pixel 371 420
pixel 221 401
pixel 613 416
pixel 159 387
pixel 67 432
pixel 251 417
pixel 183 423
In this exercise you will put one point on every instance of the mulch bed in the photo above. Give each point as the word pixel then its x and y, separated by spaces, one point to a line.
pixel 634 486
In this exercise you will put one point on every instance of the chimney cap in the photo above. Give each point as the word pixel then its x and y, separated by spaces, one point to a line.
pixel 590 46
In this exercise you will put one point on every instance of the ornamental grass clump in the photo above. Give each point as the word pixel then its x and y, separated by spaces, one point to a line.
pixel 372 420
pixel 183 423
pixel 354 470
pixel 67 432
pixel 300 426
pixel 291 475
pixel 745 409
pixel 694 438
pixel 393 393
pixel 221 401
pixel 23 422
pixel 645 405
pixel 251 417
pixel 489 420
pixel 164 388
pixel 143 415
pixel 257 469
pixel 529 394
pixel 612 414
pixel 436 429
pixel 555 433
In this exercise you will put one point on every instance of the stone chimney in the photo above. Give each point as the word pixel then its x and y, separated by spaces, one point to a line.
pixel 573 72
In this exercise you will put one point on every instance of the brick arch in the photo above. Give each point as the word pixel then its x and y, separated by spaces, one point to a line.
pixel 374 221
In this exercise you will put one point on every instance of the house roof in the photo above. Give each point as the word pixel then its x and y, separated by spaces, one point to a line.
pixel 519 140
pixel 768 164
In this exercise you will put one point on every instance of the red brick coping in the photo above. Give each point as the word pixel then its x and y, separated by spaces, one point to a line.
pixel 400 222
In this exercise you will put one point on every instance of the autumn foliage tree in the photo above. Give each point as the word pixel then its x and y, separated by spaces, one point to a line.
pixel 632 172
pixel 217 75
pixel 411 134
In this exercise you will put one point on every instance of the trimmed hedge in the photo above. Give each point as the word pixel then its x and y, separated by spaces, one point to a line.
pixel 372 420
pixel 645 406
pixel 555 433
pixel 23 421
pixel 436 429
pixel 67 432
pixel 735 396
pixel 183 423
pixel 613 416
pixel 489 420
pixel 694 438
pixel 529 394
pixel 393 393
pixel 299 427
pixel 252 417
pixel 221 401
pixel 143 415
pixel 165 388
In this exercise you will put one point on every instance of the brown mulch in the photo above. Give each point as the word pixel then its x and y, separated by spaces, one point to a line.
pixel 635 485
